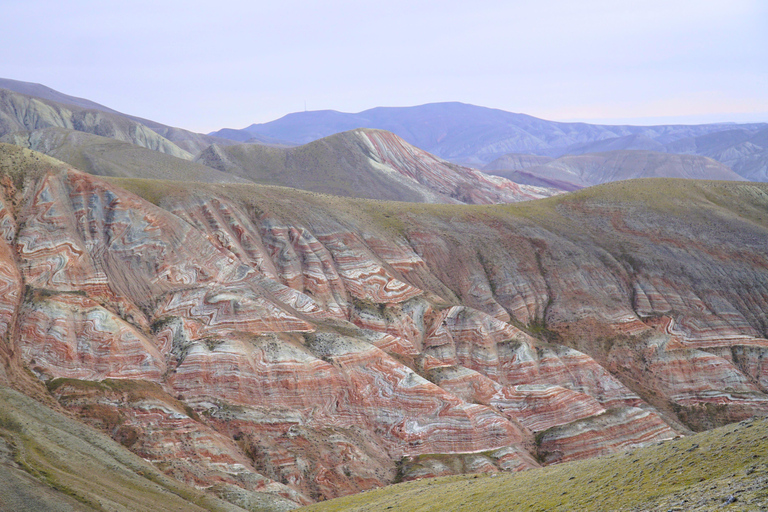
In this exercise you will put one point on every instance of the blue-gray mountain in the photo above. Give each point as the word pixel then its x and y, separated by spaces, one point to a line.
pixel 572 172
pixel 477 135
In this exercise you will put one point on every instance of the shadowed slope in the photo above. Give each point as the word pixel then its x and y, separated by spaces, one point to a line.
pixel 51 462
pixel 516 162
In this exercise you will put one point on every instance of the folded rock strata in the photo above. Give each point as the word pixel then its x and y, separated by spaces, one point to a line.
pixel 280 342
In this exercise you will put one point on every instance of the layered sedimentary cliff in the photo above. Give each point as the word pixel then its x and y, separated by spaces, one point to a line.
pixel 261 341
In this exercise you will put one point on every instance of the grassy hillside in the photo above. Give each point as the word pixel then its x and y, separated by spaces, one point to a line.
pixel 666 195
pixel 51 462
pixel 700 472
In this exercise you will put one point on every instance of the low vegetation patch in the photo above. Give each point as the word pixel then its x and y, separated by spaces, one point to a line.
pixel 723 468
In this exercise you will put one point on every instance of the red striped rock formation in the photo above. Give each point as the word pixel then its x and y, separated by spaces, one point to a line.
pixel 145 419
pixel 10 289
pixel 71 336
pixel 463 184
pixel 540 407
pixel 318 343
pixel 616 429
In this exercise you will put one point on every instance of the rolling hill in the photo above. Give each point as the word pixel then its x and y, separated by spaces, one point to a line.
pixel 104 142
pixel 577 171
pixel 370 164
pixel 745 151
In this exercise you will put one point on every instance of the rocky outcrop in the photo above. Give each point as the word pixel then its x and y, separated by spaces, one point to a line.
pixel 616 429
pixel 265 342
pixel 145 419
pixel 67 335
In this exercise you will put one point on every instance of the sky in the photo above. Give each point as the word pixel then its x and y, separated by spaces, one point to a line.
pixel 206 65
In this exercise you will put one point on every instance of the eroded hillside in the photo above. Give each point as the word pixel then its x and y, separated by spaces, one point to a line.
pixel 255 340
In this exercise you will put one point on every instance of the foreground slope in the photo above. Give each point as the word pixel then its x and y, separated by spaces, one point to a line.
pixel 272 345
pixel 571 172
pixel 726 466
pixel 51 462
pixel 367 163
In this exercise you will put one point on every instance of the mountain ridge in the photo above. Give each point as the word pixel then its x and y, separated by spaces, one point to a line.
pixel 474 135
pixel 367 163
pixel 186 141
pixel 576 171
pixel 444 127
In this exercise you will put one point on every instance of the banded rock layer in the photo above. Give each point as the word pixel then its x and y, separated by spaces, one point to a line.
pixel 258 341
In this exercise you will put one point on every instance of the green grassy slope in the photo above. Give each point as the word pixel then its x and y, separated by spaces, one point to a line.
pixel 700 472
pixel 662 195
pixel 48 460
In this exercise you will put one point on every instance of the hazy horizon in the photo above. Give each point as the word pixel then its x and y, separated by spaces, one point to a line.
pixel 715 118
pixel 204 66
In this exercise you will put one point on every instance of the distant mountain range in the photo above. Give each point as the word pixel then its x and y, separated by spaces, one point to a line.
pixel 368 164
pixel 576 171
pixel 40 118
pixel 475 135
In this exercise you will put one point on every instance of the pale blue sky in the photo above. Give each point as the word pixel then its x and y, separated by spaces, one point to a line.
pixel 214 64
